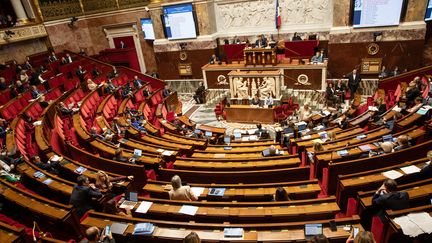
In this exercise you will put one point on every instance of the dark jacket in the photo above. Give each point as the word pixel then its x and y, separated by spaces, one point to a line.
pixel 393 200
pixel 81 198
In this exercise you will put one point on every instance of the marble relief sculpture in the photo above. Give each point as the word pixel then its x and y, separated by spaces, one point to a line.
pixel 261 13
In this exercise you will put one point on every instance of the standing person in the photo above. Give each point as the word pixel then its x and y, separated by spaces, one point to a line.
pixel 83 194
pixel 354 82
pixel 199 94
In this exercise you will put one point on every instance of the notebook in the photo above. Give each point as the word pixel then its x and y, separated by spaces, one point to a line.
pixel 39 174
pixel 266 152
pixel 80 170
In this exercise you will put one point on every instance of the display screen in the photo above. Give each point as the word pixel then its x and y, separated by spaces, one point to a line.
pixel 428 16
pixel 147 28
pixel 179 22
pixel 372 13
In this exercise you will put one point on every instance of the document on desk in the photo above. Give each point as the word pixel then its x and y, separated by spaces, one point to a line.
pixel 188 210
pixel 392 174
pixel 408 227
pixel 410 169
pixel 423 220
pixel 197 191
pixel 144 207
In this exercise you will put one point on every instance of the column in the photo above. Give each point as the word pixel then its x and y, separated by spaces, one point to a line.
pixel 19 11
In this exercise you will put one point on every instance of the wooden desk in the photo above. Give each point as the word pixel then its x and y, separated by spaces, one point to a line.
pixel 248 114
pixel 172 231
pixel 11 234
pixel 243 192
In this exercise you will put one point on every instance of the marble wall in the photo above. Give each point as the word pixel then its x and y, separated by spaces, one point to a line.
pixel 416 10
pixel 88 34
pixel 20 50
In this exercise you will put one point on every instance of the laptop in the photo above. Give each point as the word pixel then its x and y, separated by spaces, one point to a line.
pixel 208 134
pixel 302 127
pixel 130 201
pixel 237 135
pixel 311 230
pixel 227 140
pixel 137 153
pixel 197 131
pixel 387 138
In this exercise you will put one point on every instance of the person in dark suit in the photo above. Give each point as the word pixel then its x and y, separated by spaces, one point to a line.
pixel 3 84
pixel 331 92
pixel 261 42
pixel 255 100
pixel 52 57
pixel 35 92
pixel 296 37
pixel 199 94
pixel 426 172
pixel 214 59
pixel 412 92
pixel 80 73
pixel 353 82
pixel 387 197
pixel 138 83
pixel 93 235
pixel 82 195
pixel 166 92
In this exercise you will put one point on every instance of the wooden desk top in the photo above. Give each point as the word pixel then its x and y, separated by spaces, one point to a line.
pixel 10 234
pixel 176 231
pixel 247 107
pixel 237 193
pixel 241 65
pixel 309 143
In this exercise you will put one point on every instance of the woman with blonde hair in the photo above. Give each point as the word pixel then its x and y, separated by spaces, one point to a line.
pixel 105 183
pixel 317 147
pixel 331 136
pixel 92 86
pixel 362 237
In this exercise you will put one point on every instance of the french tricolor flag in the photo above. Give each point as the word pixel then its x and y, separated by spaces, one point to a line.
pixel 278 16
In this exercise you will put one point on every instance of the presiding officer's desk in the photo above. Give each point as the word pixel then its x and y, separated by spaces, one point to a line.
pixel 249 114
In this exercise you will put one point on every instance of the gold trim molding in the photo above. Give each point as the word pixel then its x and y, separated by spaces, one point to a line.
pixel 23 33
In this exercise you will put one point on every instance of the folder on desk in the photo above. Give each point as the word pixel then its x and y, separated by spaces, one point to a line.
pixel 216 192
pixel 143 229
pixel 343 152
pixel 80 170
pixel 118 228
pixel 360 137
pixel 365 148
pixel 233 232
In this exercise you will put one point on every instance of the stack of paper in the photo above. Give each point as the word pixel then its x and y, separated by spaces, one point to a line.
pixel 233 232
pixel 197 191
pixel 410 169
pixel 415 224
pixel 144 207
pixel 392 174
pixel 189 210
pixel 167 153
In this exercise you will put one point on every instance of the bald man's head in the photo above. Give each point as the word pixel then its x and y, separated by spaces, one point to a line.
pixel 92 234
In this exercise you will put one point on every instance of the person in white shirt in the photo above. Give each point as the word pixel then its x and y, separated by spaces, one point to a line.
pixel 269 100
pixel 305 112
pixel 179 192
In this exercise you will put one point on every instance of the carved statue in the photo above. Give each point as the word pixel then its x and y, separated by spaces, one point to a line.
pixel 241 88
pixel 267 87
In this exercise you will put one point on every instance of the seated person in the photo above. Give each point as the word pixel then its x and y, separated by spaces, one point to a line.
pixel 280 195
pixel 402 143
pixel 63 110
pixel 118 128
pixel 317 58
pixel 3 84
pixel 138 125
pixel 94 134
pixel 418 103
pixel 426 172
pixel 255 100
pixel 167 91
pixel 362 237
pixel 51 166
pixel 118 156
pixel 92 86
pixel 261 41
pixel 271 151
pixel 109 88
pixel 83 194
pixel 179 192
pixel 4 130
pixel 387 197
pixel 35 92
pixel 192 237
pixel 296 37
pixel 213 59
pixel 269 101
pixel 5 172
pixel 318 239
pixel 260 131
pixel 305 112
pixel 93 235
pixel 137 83
pixel 146 92
pixel 192 134
pixel 112 207
pixel 105 183
pixel 42 102
pixel 412 92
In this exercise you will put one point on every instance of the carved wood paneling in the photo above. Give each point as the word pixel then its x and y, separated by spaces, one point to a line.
pixel 132 3
pixel 97 6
